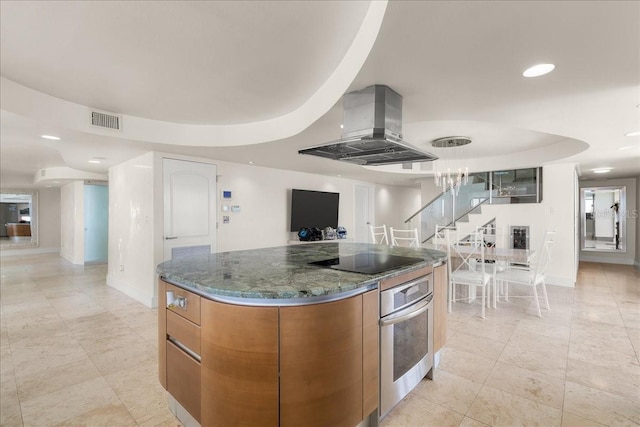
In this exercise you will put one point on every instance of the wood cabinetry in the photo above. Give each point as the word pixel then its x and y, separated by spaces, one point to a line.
pixel 311 365
pixel 183 379
pixel 179 347
pixel 18 230
pixel 370 352
pixel 321 364
pixel 239 365
pixel 440 283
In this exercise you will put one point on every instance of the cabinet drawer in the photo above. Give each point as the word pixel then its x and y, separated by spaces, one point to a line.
pixel 183 330
pixel 191 309
pixel 183 379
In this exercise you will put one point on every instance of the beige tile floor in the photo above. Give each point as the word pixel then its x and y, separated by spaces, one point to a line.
pixel 576 366
pixel 75 352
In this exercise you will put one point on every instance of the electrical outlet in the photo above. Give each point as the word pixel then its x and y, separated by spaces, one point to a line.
pixel 121 267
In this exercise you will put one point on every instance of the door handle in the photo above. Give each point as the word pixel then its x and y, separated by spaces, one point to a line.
pixel 170 237
pixel 417 310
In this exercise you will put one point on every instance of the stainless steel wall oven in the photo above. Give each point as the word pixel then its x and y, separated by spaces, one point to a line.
pixel 406 339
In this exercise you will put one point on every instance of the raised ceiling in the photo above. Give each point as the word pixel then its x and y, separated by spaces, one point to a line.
pixel 256 81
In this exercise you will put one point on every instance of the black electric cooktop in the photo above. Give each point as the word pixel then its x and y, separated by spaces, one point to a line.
pixel 368 263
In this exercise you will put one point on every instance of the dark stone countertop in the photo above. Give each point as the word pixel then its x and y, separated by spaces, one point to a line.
pixel 282 275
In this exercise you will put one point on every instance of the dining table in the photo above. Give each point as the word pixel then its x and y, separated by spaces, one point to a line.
pixel 502 257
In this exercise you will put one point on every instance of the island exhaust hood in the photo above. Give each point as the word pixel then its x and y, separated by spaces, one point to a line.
pixel 372 131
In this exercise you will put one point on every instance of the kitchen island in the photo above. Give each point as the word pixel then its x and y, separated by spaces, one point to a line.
pixel 262 337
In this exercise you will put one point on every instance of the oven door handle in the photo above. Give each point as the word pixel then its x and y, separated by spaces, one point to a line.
pixel 416 310
pixel 404 287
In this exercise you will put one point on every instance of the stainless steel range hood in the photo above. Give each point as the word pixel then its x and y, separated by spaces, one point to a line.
pixel 372 132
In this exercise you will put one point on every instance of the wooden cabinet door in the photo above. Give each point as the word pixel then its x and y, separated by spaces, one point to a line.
pixel 370 352
pixel 440 290
pixel 321 364
pixel 239 365
pixel 183 379
pixel 162 333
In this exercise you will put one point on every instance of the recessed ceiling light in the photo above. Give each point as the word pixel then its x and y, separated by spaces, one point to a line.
pixel 636 133
pixel 250 163
pixel 538 70
pixel 95 161
pixel 626 147
pixel 341 126
pixel 601 170
pixel 51 137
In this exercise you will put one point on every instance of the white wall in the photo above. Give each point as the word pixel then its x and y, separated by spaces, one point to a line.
pixel 264 197
pixel 48 225
pixel 395 204
pixel 555 212
pixel 263 194
pixel 132 263
pixel 637 221
pixel 49 217
pixel 630 236
pixel 71 222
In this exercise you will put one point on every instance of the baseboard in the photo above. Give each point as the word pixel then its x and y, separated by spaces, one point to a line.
pixel 181 413
pixel 142 297
pixel 27 251
pixel 606 260
pixel 560 281
pixel 71 259
pixel 436 359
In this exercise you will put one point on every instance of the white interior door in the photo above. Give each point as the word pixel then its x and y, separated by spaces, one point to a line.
pixel 364 213
pixel 189 208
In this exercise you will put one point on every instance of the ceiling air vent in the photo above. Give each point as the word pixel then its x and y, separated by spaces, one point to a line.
pixel 103 120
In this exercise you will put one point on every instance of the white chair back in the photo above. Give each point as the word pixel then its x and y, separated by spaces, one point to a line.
pixel 469 256
pixel 544 256
pixel 441 237
pixel 379 234
pixel 409 237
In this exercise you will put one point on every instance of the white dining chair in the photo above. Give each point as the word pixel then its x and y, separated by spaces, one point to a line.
pixel 379 234
pixel 404 237
pixel 533 276
pixel 440 236
pixel 468 259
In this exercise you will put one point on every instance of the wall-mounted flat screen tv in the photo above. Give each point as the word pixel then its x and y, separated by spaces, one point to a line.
pixel 314 209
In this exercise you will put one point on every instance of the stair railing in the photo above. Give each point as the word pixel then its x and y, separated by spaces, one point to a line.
pixel 449 207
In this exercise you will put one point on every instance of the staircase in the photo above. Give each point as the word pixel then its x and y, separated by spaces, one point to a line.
pixel 461 207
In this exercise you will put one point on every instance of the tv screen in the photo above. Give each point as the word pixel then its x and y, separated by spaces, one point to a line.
pixel 314 209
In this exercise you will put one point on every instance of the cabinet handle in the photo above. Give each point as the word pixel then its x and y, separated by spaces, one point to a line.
pixel 173 301
pixel 170 237
pixel 180 302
